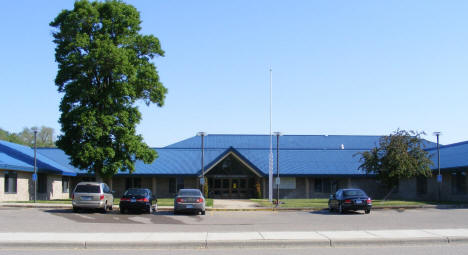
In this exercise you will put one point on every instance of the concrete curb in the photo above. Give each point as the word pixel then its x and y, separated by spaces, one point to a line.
pixel 206 240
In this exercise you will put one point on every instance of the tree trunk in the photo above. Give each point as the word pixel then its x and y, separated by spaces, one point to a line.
pixel 388 194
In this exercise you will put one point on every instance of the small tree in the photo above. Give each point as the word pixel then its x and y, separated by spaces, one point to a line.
pixel 400 155
pixel 104 69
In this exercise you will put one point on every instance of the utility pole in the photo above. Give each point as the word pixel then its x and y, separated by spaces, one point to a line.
pixel 35 167
pixel 202 179
pixel 439 177
pixel 278 134
pixel 270 156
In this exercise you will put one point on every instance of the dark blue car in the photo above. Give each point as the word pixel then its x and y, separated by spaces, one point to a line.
pixel 350 200
pixel 137 200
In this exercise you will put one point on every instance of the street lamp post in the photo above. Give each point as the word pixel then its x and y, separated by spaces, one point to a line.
pixel 277 134
pixel 439 177
pixel 35 167
pixel 202 179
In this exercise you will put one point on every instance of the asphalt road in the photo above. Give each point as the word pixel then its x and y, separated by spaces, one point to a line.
pixel 63 220
pixel 388 250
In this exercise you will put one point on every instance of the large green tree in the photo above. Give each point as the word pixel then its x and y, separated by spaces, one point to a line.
pixel 104 69
pixel 399 155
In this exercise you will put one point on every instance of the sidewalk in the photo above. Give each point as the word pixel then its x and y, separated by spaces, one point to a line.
pixel 185 240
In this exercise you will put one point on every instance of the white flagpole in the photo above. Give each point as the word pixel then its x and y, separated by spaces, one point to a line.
pixel 270 158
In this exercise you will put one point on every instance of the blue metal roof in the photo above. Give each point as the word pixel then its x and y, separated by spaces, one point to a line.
pixel 177 161
pixel 296 142
pixel 299 154
pixel 9 163
pixel 26 155
pixel 451 156
pixel 307 162
pixel 300 142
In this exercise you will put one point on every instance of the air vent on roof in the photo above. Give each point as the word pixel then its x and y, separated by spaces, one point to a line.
pixel 342 146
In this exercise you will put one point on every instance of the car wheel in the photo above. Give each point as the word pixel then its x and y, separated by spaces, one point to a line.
pixel 340 209
pixel 110 208
pixel 203 212
pixel 122 211
pixel 104 210
pixel 330 209
pixel 76 209
pixel 367 211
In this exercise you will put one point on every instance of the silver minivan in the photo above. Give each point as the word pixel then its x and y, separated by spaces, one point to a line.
pixel 92 195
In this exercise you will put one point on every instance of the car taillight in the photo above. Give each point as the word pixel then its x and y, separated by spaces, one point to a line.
pixel 369 201
pixel 143 200
pixel 73 196
pixel 101 197
pixel 125 199
pixel 200 200
pixel 347 201
pixel 179 200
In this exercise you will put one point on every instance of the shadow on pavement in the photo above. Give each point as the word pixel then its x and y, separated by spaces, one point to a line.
pixel 327 212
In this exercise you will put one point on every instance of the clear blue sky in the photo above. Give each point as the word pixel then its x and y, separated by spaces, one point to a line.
pixel 339 67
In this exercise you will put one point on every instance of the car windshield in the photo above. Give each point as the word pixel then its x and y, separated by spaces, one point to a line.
pixel 135 192
pixel 354 192
pixel 189 193
pixel 88 188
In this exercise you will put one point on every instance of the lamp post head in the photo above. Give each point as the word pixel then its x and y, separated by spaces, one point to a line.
pixel 277 133
pixel 437 133
pixel 201 134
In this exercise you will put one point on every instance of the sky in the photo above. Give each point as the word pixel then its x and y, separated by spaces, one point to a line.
pixel 339 67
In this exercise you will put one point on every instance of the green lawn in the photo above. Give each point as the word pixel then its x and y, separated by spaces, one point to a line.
pixel 323 203
pixel 161 201
pixel 55 201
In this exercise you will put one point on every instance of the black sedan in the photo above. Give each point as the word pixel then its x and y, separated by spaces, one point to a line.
pixel 137 200
pixel 350 199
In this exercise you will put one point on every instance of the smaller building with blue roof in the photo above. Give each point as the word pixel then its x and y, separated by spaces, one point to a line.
pixel 16 174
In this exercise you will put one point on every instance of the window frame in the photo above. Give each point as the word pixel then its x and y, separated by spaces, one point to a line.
pixel 65 180
pixel 10 175
pixel 42 187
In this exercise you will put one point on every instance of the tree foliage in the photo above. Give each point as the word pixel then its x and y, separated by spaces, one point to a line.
pixel 399 155
pixel 45 136
pixel 104 69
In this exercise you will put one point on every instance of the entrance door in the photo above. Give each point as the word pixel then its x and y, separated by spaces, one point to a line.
pixel 229 187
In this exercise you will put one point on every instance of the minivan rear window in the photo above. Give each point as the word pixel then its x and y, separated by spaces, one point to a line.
pixel 87 189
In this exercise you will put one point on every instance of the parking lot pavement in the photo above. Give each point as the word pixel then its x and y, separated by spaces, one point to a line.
pixel 64 220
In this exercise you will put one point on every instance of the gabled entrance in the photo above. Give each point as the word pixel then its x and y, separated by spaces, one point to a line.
pixel 231 177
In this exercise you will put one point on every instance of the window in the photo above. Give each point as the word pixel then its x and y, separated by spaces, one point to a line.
pixel 10 182
pixel 288 183
pixel 172 185
pixel 65 184
pixel 88 188
pixel 180 183
pixel 318 185
pixel 325 185
pixel 106 188
pixel 132 182
pixel 421 185
pixel 42 183
pixel 459 182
